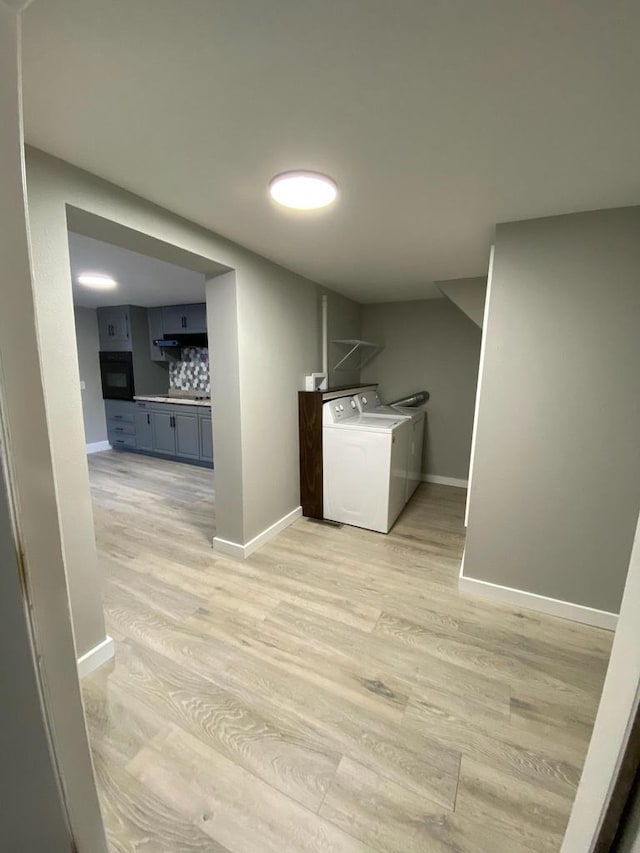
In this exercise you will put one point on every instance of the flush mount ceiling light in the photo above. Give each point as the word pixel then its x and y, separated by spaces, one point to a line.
pixel 303 190
pixel 97 281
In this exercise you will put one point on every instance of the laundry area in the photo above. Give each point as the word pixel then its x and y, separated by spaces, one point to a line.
pixel 362 459
pixel 371 457
pixel 372 461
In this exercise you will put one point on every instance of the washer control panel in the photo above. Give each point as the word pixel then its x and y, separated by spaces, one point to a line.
pixel 339 409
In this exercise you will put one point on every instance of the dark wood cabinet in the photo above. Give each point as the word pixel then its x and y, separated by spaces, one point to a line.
pixel 310 427
pixel 310 438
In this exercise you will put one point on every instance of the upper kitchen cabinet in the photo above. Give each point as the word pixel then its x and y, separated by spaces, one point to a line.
pixel 114 329
pixel 175 320
pixel 181 319
pixel 156 331
pixel 196 318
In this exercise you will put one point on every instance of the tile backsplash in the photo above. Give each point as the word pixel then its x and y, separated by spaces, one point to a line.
pixel 191 373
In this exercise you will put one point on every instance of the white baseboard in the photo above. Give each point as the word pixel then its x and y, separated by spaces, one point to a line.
pixel 98 446
pixel 445 481
pixel 532 601
pixel 96 656
pixel 229 548
pixel 234 549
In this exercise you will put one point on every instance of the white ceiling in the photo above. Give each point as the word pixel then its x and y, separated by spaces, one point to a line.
pixel 437 119
pixel 141 280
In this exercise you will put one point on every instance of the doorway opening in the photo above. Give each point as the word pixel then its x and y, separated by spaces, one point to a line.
pixel 144 367
pixel 145 406
pixel 140 311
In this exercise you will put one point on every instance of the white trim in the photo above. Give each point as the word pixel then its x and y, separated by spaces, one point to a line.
pixel 98 446
pixel 617 711
pixel 533 601
pixel 229 548
pixel 96 656
pixel 234 549
pixel 483 346
pixel 445 481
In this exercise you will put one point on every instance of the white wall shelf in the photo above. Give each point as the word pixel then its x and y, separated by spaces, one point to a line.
pixel 360 351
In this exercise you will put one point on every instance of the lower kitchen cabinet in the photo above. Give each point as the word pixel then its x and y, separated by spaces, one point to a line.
pixel 123 442
pixel 187 436
pixel 206 439
pixel 171 430
pixel 121 427
pixel 120 411
pixel 164 438
pixel 144 430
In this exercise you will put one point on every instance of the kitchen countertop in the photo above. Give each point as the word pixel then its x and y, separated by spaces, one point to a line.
pixel 181 401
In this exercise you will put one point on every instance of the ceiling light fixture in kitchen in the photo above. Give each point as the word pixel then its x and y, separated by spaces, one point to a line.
pixel 97 281
pixel 303 190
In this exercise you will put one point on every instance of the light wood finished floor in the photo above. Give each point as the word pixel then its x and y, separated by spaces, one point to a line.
pixel 333 692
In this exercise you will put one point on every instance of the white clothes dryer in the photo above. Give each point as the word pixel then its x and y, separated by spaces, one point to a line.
pixel 369 403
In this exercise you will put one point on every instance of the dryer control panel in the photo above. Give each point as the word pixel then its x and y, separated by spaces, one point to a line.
pixel 368 401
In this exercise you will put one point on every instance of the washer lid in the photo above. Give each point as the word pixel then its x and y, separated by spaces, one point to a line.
pixel 372 423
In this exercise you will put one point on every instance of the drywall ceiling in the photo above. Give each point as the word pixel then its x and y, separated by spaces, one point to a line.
pixel 141 280
pixel 437 118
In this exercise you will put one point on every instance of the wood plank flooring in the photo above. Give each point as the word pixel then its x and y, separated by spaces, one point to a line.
pixel 333 692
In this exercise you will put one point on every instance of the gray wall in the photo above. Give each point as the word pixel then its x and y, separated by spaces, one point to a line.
pixel 278 342
pixel 429 344
pixel 55 328
pixel 222 325
pixel 275 343
pixel 27 446
pixel 556 481
pixel 468 294
pixel 344 322
pixel 95 424
pixel 28 785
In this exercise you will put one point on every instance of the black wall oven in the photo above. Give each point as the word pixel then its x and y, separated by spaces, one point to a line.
pixel 116 371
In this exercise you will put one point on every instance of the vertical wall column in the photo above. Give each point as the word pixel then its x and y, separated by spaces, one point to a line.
pixel 618 707
pixel 37 529
pixel 555 486
pixel 222 323
pixel 57 341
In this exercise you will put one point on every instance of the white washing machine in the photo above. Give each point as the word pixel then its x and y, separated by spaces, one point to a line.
pixel 364 465
pixel 369 404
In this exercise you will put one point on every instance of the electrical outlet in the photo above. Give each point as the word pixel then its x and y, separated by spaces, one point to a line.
pixel 83 385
